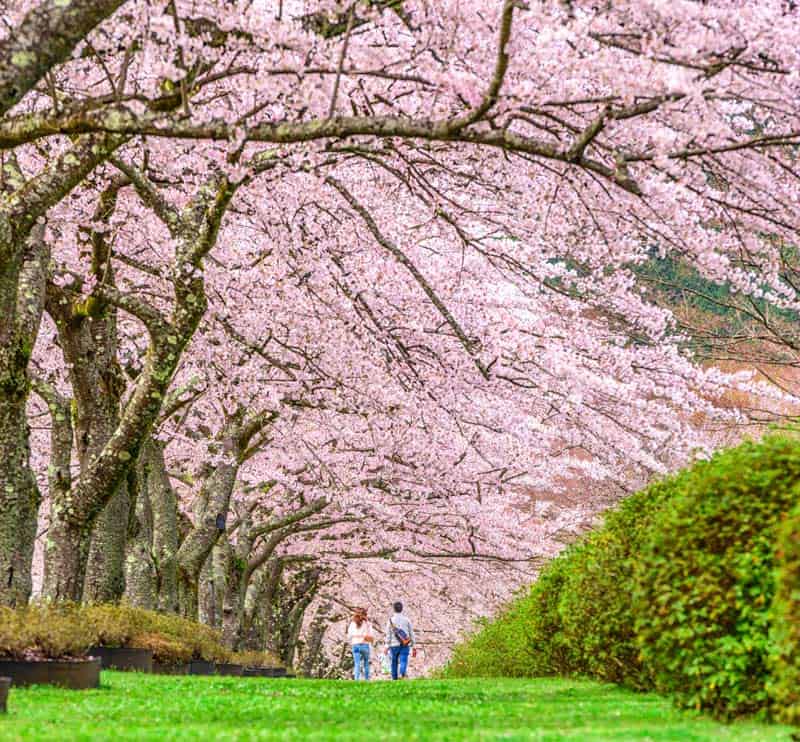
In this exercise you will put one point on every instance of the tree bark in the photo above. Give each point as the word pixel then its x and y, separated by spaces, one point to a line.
pixel 21 302
pixel 88 333
pixel 140 571
pixel 164 507
pixel 45 37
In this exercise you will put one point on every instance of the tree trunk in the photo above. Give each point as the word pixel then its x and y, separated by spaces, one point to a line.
pixel 19 495
pixel 105 569
pixel 140 571
pixel 64 556
pixel 213 500
pixel 164 507
pixel 188 600
pixel 21 301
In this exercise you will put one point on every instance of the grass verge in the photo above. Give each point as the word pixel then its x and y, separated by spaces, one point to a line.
pixel 148 707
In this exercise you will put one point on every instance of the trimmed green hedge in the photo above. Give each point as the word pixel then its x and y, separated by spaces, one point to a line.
pixel 705 583
pixel 526 639
pixel 595 604
pixel 674 592
pixel 785 661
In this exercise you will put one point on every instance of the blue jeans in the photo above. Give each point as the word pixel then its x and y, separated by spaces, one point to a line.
pixel 360 654
pixel 399 657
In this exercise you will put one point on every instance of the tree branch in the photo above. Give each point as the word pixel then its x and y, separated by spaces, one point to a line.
pixel 45 37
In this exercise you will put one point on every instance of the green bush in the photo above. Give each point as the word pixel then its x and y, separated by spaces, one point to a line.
pixel 169 635
pixel 204 642
pixel 115 625
pixel 165 651
pixel 784 688
pixel 253 658
pixel 497 649
pixel 526 639
pixel 39 632
pixel 595 603
pixel 705 580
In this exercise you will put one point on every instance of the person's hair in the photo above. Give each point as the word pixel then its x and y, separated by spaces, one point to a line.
pixel 359 616
pixel 398 607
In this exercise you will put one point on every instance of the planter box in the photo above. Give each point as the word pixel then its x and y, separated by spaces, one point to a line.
pixel 164 668
pixel 201 667
pixel 253 672
pixel 229 669
pixel 75 674
pixel 5 684
pixel 265 672
pixel 124 658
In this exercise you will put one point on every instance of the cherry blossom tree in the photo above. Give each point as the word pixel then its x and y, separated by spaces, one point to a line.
pixel 397 242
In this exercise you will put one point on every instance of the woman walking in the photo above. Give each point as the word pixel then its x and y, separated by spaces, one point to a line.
pixel 361 636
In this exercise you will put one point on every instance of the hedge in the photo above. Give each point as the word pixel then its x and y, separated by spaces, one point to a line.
pixel 691 587
pixel 45 631
pixel 705 581
pixel 525 639
pixel 595 602
pixel 784 688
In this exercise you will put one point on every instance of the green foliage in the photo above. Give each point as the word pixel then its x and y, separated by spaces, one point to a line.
pixel 706 578
pixel 526 639
pixel 500 648
pixel 784 689
pixel 39 632
pixel 165 651
pixel 134 706
pixel 114 625
pixel 202 642
pixel 253 658
pixel 59 631
pixel 595 605
pixel 674 593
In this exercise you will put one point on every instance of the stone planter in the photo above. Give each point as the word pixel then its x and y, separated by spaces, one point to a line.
pixel 124 658
pixel 167 668
pixel 5 684
pixel 75 674
pixel 201 667
pixel 229 669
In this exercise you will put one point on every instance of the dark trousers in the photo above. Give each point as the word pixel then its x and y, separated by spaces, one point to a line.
pixel 399 661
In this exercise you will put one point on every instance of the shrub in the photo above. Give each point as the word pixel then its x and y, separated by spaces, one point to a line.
pixel 124 625
pixel 115 625
pixel 595 606
pixel 496 650
pixel 203 642
pixel 705 580
pixel 165 650
pixel 39 632
pixel 784 688
pixel 526 639
pixel 253 658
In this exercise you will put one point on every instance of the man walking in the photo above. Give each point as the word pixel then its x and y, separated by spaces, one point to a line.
pixel 399 641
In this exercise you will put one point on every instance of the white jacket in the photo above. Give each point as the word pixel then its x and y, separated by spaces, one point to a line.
pixel 359 634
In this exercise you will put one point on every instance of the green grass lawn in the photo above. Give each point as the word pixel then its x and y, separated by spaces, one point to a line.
pixel 151 707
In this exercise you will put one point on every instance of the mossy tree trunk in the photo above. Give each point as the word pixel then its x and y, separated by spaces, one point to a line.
pixel 164 508
pixel 87 331
pixel 213 502
pixel 140 569
pixel 105 466
pixel 21 301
